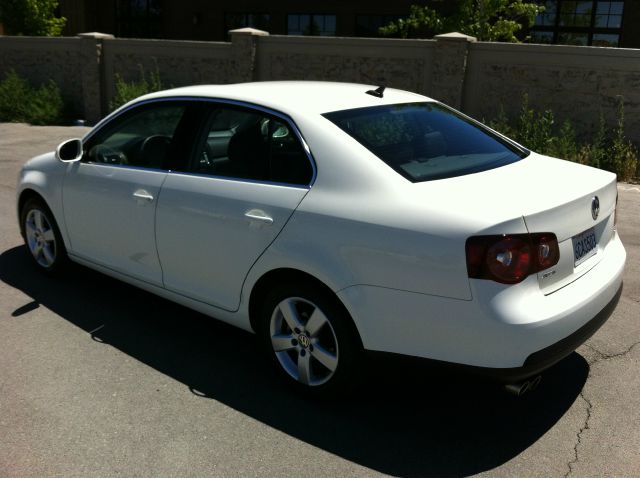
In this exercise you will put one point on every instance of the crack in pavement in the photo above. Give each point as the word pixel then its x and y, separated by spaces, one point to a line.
pixel 585 426
pixel 604 356
pixel 589 408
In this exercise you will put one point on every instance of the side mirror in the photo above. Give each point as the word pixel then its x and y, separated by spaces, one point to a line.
pixel 69 151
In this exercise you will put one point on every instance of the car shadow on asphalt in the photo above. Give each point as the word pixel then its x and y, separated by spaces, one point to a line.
pixel 404 420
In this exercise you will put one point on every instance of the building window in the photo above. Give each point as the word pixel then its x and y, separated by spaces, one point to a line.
pixel 139 18
pixel 609 14
pixel 606 39
pixel 369 25
pixel 541 37
pixel 548 17
pixel 570 22
pixel 243 20
pixel 575 14
pixel 304 24
pixel 571 38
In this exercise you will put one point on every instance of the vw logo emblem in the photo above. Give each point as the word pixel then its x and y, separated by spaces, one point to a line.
pixel 304 340
pixel 595 207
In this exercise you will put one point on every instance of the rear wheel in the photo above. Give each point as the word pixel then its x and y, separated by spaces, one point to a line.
pixel 309 339
pixel 42 236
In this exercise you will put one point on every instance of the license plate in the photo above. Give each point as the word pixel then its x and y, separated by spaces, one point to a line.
pixel 584 246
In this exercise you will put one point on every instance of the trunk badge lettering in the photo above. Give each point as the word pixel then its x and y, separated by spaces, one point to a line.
pixel 548 274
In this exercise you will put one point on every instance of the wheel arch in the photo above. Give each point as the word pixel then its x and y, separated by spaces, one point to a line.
pixel 282 275
pixel 25 195
pixel 46 187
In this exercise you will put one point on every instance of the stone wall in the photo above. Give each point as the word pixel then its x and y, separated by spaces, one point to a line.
pixel 405 64
pixel 179 63
pixel 41 60
pixel 577 83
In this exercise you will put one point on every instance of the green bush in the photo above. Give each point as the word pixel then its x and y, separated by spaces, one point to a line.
pixel 623 159
pixel 127 91
pixel 22 103
pixel 31 17
pixel 608 149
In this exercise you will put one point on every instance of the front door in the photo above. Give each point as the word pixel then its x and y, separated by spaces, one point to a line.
pixel 110 196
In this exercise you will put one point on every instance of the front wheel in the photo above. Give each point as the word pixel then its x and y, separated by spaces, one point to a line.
pixel 42 237
pixel 309 339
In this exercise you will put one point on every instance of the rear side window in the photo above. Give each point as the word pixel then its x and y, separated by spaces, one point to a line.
pixel 426 141
pixel 242 143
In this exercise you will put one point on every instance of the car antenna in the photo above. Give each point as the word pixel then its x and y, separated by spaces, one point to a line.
pixel 378 92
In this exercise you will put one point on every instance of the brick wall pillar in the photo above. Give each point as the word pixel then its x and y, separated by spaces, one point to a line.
pixel 93 91
pixel 244 42
pixel 450 68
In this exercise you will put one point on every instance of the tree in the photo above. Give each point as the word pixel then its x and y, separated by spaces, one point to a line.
pixel 487 20
pixel 31 17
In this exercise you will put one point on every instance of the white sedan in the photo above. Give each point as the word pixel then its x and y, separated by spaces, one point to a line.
pixel 333 219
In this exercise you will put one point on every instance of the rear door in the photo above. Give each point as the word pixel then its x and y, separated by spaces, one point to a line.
pixel 216 216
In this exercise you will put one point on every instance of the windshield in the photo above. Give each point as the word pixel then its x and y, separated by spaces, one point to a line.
pixel 426 141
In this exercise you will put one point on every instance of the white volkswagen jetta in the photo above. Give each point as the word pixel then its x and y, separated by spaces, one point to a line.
pixel 333 218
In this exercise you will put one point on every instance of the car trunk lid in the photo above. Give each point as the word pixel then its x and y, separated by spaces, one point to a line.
pixel 550 195
pixel 582 219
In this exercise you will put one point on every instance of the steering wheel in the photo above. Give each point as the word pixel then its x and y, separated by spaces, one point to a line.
pixel 153 150
pixel 105 155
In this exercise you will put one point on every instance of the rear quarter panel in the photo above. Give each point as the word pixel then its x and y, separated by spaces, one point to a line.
pixel 364 224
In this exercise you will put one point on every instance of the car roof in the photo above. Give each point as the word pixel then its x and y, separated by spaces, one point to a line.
pixel 294 97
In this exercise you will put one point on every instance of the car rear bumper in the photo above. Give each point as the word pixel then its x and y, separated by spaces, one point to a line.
pixel 553 353
pixel 545 358
pixel 509 332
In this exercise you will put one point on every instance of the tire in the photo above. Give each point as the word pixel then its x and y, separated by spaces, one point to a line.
pixel 42 237
pixel 310 339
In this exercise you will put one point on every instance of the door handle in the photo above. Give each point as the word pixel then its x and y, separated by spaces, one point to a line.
pixel 142 194
pixel 258 215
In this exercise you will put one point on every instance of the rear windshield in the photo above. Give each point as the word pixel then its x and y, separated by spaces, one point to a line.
pixel 426 141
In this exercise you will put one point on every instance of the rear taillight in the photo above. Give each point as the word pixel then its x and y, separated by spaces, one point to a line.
pixel 509 259
pixel 547 249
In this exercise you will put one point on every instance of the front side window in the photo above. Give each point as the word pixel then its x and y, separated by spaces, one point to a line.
pixel 141 137
pixel 426 141
pixel 241 143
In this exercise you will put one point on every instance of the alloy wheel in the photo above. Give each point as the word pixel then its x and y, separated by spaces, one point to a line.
pixel 304 341
pixel 40 238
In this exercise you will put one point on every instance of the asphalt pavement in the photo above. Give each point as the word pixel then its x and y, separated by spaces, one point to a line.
pixel 98 378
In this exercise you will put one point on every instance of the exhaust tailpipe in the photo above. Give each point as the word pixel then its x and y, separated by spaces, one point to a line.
pixel 535 382
pixel 520 388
